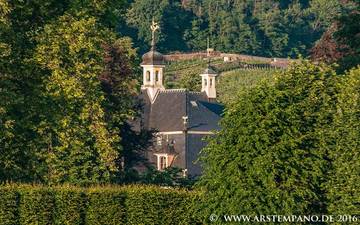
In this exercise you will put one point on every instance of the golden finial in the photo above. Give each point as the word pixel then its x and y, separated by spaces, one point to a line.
pixel 154 27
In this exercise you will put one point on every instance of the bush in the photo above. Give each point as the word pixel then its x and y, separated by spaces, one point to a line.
pixel 69 206
pixel 105 205
pixel 269 158
pixel 8 206
pixel 34 204
pixel 157 206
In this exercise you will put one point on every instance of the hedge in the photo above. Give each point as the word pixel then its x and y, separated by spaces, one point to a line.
pixel 36 204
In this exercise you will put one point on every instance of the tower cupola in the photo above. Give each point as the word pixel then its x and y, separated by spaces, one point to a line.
pixel 208 82
pixel 153 64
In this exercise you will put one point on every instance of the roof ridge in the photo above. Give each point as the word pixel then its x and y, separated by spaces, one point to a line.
pixel 195 92
pixel 173 90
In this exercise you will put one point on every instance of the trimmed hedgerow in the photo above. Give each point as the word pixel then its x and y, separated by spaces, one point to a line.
pixel 105 205
pixel 156 205
pixel 8 205
pixel 70 206
pixel 34 204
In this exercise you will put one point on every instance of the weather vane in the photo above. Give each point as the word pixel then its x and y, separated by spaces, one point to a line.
pixel 154 26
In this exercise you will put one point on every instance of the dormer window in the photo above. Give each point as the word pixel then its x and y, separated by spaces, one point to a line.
pixel 194 104
pixel 147 75
pixel 162 161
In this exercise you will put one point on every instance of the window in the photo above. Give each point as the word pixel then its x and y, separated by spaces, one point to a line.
pixel 157 76
pixel 184 172
pixel 159 140
pixel 194 104
pixel 210 82
pixel 147 75
pixel 205 82
pixel 162 162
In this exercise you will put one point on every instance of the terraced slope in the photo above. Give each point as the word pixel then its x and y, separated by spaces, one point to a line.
pixel 234 76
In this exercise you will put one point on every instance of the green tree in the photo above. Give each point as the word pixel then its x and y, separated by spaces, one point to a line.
pixel 31 116
pixel 80 147
pixel 343 187
pixel 271 30
pixel 4 24
pixel 173 20
pixel 196 36
pixel 324 12
pixel 339 43
pixel 267 158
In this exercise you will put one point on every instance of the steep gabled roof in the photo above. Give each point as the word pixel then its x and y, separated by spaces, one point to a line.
pixel 170 106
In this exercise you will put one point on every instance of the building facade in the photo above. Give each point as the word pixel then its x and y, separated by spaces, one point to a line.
pixel 180 118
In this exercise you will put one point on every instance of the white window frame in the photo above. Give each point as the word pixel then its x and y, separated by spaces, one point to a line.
pixel 159 140
pixel 158 162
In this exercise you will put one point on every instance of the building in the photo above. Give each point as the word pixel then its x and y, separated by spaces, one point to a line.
pixel 181 118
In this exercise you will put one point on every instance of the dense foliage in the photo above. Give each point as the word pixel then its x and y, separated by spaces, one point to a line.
pixel 258 27
pixel 340 43
pixel 282 147
pixel 26 204
pixel 61 113
pixel 343 187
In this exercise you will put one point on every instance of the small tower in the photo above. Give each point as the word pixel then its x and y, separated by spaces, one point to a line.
pixel 208 81
pixel 153 64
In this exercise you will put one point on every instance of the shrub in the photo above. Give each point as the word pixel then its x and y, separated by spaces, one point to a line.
pixel 157 206
pixel 8 205
pixel 268 157
pixel 105 205
pixel 34 204
pixel 70 205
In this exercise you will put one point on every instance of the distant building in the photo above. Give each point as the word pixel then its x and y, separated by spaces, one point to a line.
pixel 181 118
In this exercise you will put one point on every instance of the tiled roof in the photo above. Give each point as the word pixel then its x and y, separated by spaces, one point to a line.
pixel 170 106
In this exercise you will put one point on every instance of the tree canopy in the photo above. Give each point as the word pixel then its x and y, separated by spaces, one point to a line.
pixel 281 149
pixel 257 27
pixel 58 121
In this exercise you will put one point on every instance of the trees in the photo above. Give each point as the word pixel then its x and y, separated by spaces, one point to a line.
pixel 267 28
pixel 338 44
pixel 342 187
pixel 268 158
pixel 271 27
pixel 347 36
pixel 4 23
pixel 57 119
pixel 173 22
pixel 80 147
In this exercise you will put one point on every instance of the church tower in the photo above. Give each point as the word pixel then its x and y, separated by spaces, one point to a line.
pixel 153 64
pixel 208 82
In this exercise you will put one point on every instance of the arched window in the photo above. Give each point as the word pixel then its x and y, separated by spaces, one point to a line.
pixel 147 75
pixel 210 82
pixel 162 162
pixel 157 76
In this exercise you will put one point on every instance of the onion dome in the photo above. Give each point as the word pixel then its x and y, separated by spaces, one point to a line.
pixel 153 57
